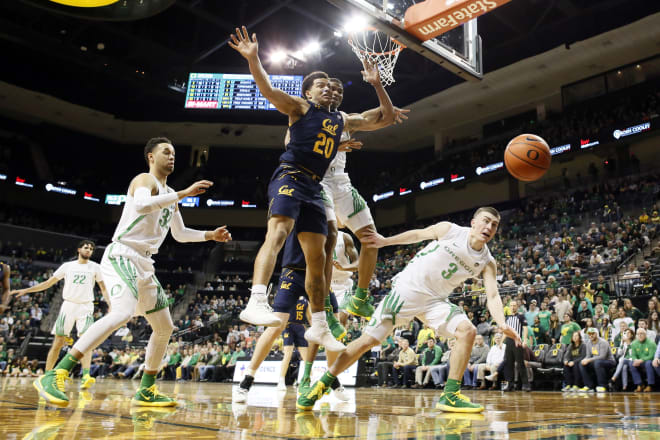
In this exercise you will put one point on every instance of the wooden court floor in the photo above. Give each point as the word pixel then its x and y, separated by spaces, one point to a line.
pixel 205 412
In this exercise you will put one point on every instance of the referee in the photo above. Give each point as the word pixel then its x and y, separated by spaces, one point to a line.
pixel 514 355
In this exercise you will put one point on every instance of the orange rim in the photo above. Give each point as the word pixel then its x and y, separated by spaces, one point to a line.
pixel 366 51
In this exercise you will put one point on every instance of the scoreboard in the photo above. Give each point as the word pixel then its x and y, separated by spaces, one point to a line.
pixel 231 91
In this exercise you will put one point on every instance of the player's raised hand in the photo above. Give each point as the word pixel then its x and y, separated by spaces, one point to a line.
pixel 370 73
pixel 242 43
pixel 508 331
pixel 400 114
pixel 197 188
pixel 349 146
pixel 219 234
pixel 373 240
pixel 17 293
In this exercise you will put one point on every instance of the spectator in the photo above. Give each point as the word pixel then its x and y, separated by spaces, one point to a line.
pixel 567 329
pixel 624 355
pixel 388 355
pixel 650 334
pixel 643 351
pixel 575 352
pixel 493 361
pixel 598 361
pixel 405 365
pixel 622 322
pixel 430 356
pixel 439 372
pixel 477 357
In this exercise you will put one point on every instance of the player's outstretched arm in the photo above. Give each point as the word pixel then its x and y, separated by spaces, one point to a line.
pixel 494 302
pixel 36 288
pixel 6 285
pixel 433 232
pixel 145 193
pixel 249 49
pixel 182 234
pixel 372 121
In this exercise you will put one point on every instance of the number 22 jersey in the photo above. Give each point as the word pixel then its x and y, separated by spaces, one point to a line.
pixel 442 265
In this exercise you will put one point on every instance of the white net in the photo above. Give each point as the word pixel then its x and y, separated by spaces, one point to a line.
pixel 379 48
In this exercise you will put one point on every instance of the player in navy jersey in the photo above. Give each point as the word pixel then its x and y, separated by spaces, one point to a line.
pixel 294 337
pixel 294 191
pixel 291 288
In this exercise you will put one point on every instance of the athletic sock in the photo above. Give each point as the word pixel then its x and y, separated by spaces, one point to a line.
pixel 148 380
pixel 327 379
pixel 452 386
pixel 258 289
pixel 361 293
pixel 317 318
pixel 246 383
pixel 328 304
pixel 336 384
pixel 67 363
pixel 85 372
pixel 308 371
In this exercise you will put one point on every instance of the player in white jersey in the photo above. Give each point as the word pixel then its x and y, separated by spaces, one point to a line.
pixel 78 306
pixel 345 259
pixel 422 289
pixel 346 205
pixel 128 271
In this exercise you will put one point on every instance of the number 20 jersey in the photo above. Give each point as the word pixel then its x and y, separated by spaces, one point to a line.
pixel 314 140
pixel 442 265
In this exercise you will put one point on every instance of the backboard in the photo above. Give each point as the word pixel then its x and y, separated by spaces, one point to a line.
pixel 457 50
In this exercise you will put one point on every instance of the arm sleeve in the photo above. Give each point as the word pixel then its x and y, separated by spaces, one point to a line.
pixel 183 234
pixel 146 203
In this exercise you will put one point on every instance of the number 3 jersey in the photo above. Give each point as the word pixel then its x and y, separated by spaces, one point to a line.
pixel 79 280
pixel 144 233
pixel 442 265
pixel 314 140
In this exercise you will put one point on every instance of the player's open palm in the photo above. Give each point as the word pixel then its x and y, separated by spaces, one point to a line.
pixel 373 240
pixel 242 43
pixel 220 234
pixel 370 73
pixel 198 188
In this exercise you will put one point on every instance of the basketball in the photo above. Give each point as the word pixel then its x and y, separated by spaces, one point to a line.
pixel 527 157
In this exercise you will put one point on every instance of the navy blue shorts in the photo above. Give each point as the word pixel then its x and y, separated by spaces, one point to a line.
pixel 291 287
pixel 294 334
pixel 294 194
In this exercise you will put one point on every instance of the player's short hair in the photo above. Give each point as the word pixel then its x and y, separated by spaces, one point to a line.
pixel 308 81
pixel 490 210
pixel 338 81
pixel 84 242
pixel 153 143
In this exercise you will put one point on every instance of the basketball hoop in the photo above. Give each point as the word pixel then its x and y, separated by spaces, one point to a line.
pixel 377 47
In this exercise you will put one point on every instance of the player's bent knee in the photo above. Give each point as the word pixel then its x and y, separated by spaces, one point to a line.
pixel 466 330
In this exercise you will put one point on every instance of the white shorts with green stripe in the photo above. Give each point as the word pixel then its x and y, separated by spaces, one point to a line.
pixel 348 206
pixel 438 313
pixel 131 281
pixel 82 315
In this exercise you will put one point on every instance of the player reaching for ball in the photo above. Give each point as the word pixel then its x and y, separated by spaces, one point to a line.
pixel 421 290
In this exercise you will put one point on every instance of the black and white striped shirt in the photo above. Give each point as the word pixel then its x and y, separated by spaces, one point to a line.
pixel 517 322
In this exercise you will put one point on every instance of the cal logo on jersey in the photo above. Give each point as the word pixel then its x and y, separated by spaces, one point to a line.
pixel 285 190
pixel 285 286
pixel 329 127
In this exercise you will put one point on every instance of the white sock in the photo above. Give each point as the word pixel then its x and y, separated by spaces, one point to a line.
pixel 317 318
pixel 250 372
pixel 258 289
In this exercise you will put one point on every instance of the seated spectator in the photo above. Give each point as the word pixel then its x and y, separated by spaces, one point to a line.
pixel 631 311
pixel 424 334
pixel 575 352
pixel 493 361
pixel 220 370
pixel 624 359
pixel 477 357
pixel 650 334
pixel 643 351
pixel 567 329
pixel 440 372
pixel 430 356
pixel 388 355
pixel 622 322
pixel 405 365
pixel 598 361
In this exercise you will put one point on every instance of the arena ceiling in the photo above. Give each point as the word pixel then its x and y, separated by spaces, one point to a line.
pixel 125 68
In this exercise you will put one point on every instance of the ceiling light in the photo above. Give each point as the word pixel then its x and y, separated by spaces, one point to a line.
pixel 298 55
pixel 356 23
pixel 338 34
pixel 311 47
pixel 277 56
